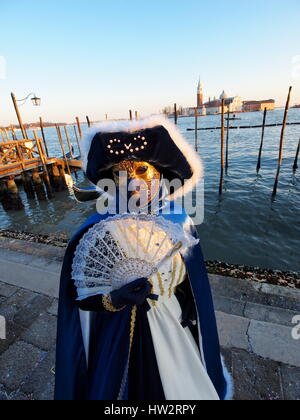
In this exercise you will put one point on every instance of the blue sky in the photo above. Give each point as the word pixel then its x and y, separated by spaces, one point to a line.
pixel 97 57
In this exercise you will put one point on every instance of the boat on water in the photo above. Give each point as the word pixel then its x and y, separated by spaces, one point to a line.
pixel 234 118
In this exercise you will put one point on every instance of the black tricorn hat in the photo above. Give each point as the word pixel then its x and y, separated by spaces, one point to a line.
pixel 154 140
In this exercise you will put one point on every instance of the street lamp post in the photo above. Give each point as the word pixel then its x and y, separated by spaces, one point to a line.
pixel 19 116
pixel 35 101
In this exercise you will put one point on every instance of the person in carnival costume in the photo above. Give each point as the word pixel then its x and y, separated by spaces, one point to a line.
pixel 150 338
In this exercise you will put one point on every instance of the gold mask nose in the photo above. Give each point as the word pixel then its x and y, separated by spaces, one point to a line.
pixel 141 171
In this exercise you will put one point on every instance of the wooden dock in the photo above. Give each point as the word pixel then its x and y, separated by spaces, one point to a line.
pixel 17 168
pixel 20 156
pixel 25 161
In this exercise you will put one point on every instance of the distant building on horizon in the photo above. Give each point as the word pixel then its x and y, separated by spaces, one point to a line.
pixel 233 104
pixel 254 106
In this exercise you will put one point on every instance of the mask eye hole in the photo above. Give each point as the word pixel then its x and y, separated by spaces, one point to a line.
pixel 141 170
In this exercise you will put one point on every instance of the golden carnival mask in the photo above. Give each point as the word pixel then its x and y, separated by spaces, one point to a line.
pixel 147 179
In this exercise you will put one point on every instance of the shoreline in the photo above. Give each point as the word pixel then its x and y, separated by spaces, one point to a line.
pixel 290 279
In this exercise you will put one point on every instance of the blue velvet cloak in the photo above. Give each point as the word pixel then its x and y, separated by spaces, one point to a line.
pixel 109 341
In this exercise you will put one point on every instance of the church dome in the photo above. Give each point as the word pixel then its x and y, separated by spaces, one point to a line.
pixel 223 95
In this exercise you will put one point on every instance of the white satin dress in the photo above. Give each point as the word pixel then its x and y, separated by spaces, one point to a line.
pixel 182 372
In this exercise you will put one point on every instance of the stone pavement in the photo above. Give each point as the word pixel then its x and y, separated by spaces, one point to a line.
pixel 255 325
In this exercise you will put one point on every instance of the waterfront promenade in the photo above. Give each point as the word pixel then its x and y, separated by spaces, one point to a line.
pixel 255 325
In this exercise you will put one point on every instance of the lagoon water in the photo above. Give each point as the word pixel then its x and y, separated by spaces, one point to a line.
pixel 244 226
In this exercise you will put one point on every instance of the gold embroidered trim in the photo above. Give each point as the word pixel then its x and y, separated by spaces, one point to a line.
pixel 107 304
pixel 161 284
pixel 173 277
pixel 131 337
pixel 132 324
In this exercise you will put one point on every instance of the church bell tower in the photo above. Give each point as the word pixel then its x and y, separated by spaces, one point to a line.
pixel 200 95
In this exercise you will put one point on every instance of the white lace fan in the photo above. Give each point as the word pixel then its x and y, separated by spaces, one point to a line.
pixel 121 249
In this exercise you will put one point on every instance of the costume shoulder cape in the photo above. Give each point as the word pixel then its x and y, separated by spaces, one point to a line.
pixel 71 366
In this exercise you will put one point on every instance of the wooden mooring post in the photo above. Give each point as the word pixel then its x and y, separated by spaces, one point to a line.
pixel 262 141
pixel 4 196
pixel 2 132
pixel 196 129
pixel 44 164
pixel 77 139
pixel 28 185
pixel 69 142
pixel 227 139
pixel 38 184
pixel 175 114
pixel 63 149
pixel 58 178
pixel 14 136
pixel 88 121
pixel 44 137
pixel 130 115
pixel 295 167
pixel 282 142
pixel 79 127
pixel 222 148
pixel 9 194
pixel 6 135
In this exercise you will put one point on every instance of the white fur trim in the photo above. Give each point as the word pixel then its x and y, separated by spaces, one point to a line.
pixel 229 381
pixel 131 126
